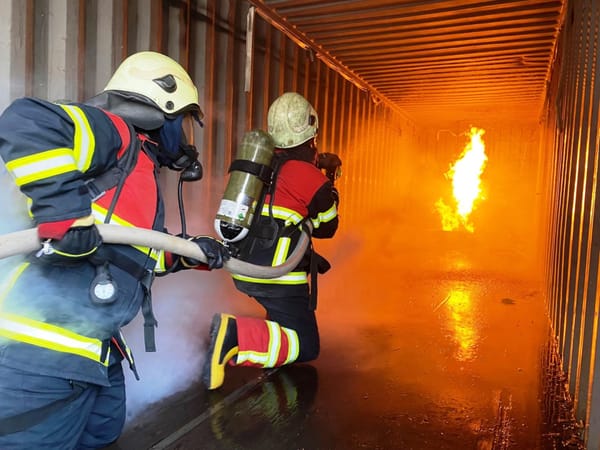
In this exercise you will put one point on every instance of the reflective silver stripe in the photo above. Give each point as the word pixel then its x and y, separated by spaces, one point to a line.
pixel 41 165
pixel 274 343
pixel 84 141
pixel 324 217
pixel 99 214
pixel 293 345
pixel 288 215
pixel 280 256
pixel 252 356
pixel 160 261
pixel 281 252
pixel 289 278
pixel 268 358
pixel 48 336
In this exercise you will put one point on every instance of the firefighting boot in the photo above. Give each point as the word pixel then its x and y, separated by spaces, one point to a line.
pixel 223 346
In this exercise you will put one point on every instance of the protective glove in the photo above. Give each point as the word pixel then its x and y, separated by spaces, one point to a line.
pixel 71 246
pixel 331 164
pixel 216 253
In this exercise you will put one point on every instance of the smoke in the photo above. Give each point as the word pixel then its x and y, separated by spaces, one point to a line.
pixel 15 217
pixel 184 304
pixel 13 204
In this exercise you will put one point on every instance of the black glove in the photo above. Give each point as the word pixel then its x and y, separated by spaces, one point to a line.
pixel 216 253
pixel 331 164
pixel 76 246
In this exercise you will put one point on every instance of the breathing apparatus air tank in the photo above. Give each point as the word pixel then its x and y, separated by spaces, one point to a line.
pixel 248 175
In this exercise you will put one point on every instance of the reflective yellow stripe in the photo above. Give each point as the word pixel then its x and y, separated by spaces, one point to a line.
pixel 325 217
pixel 281 252
pixel 274 343
pixel 9 283
pixel 100 213
pixel 256 357
pixel 288 215
pixel 84 141
pixel 252 356
pixel 41 165
pixel 160 261
pixel 280 256
pixel 269 359
pixel 293 345
pixel 289 278
pixel 48 336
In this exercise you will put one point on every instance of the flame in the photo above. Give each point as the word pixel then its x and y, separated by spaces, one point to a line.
pixel 465 174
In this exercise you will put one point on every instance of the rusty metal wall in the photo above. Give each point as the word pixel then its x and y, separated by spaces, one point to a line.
pixel 67 49
pixel 571 175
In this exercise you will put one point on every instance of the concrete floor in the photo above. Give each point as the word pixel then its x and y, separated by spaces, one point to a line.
pixel 430 340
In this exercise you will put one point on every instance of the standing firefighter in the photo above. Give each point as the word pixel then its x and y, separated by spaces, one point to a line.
pixel 299 191
pixel 61 310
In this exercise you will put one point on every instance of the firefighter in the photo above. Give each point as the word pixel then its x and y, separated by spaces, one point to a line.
pixel 62 308
pixel 299 191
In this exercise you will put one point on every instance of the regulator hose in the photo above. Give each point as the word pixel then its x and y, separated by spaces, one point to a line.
pixel 27 241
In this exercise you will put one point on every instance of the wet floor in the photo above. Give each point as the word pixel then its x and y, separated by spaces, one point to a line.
pixel 430 340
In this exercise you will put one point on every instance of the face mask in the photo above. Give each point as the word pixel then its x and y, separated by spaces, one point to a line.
pixel 175 151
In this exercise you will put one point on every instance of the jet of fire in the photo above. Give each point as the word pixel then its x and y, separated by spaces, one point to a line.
pixel 465 174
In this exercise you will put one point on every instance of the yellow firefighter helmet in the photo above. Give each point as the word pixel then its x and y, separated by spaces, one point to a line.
pixel 159 80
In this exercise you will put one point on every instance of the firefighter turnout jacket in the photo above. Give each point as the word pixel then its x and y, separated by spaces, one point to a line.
pixel 300 191
pixel 55 152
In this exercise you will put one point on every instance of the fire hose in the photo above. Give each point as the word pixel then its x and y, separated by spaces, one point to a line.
pixel 26 241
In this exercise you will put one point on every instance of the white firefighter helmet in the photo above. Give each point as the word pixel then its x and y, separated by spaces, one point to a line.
pixel 291 120
pixel 159 79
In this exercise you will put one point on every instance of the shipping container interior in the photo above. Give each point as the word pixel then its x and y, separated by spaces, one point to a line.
pixel 534 217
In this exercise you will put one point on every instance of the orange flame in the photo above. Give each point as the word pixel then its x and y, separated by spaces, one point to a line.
pixel 465 174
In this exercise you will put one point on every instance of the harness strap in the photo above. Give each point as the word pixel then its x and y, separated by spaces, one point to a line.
pixel 97 187
pixel 150 321
pixel 126 160
pixel 23 421
pixel 144 276
pixel 317 265
pixel 263 172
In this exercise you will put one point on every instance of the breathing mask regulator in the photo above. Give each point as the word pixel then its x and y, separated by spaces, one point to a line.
pixel 175 150
pixel 178 153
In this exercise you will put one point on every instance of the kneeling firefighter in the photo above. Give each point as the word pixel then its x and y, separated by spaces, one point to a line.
pixel 61 309
pixel 298 192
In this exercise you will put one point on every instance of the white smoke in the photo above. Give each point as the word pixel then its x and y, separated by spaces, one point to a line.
pixel 15 217
pixel 184 304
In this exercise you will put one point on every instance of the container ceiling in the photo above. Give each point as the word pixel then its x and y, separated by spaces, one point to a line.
pixel 435 59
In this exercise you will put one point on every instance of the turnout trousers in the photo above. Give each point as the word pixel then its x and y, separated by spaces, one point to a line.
pixel 289 334
pixel 92 417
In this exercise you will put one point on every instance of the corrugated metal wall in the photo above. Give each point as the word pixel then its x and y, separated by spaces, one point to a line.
pixel 571 143
pixel 67 49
